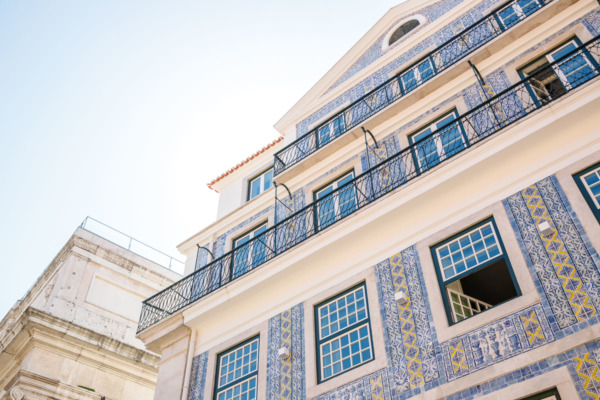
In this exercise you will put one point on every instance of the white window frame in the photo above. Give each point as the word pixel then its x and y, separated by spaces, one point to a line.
pixel 332 186
pixel 241 256
pixel 433 127
pixel 262 181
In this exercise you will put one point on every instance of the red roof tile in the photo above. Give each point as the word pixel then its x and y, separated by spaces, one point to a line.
pixel 246 161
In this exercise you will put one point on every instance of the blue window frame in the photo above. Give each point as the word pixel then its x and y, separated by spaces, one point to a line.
pixel 332 205
pixel 260 183
pixel 237 372
pixel 343 331
pixel 331 130
pixel 546 83
pixel 474 271
pixel 438 140
pixel 415 76
pixel 517 11
pixel 248 253
pixel 588 182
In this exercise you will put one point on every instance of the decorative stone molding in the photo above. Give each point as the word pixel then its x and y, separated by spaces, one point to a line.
pixel 16 393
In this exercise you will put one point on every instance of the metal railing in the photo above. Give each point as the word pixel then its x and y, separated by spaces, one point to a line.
pixel 466 130
pixel 464 306
pixel 135 246
pixel 409 79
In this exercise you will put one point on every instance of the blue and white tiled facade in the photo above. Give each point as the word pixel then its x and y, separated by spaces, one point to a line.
pixel 418 362
pixel 564 268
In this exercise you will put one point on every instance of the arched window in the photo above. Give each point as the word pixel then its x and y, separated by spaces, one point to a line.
pixel 403 30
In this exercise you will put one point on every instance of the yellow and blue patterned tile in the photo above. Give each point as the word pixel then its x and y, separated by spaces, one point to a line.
pixel 571 283
pixel 407 324
pixel 587 370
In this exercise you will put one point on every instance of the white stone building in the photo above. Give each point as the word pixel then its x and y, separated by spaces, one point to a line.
pixel 433 231
pixel 72 336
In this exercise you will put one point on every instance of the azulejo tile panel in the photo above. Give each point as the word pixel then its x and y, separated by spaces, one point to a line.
pixel 285 378
pixel 198 377
pixel 563 261
pixel 375 51
pixel 581 362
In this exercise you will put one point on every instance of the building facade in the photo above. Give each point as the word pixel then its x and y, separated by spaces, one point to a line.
pixel 427 227
pixel 72 336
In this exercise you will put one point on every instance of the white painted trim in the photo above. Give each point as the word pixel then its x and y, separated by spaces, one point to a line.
pixel 386 40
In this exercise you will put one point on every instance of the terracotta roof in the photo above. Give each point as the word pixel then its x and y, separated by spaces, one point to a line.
pixel 246 161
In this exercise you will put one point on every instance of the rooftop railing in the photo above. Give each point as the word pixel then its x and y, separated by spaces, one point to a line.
pixel 530 94
pixel 135 246
pixel 409 79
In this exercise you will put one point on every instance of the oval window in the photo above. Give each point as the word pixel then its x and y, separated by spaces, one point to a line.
pixel 403 30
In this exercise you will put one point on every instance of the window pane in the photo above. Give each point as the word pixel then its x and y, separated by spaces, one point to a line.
pixel 481 241
pixel 234 362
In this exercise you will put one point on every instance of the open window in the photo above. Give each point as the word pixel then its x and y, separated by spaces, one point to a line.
pixel 551 394
pixel 474 271
pixel 561 69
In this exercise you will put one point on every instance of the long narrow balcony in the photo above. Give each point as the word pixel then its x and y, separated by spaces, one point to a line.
pixel 575 67
pixel 409 79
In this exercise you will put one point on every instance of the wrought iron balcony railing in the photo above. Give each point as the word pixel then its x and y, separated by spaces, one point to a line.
pixel 409 79
pixel 575 68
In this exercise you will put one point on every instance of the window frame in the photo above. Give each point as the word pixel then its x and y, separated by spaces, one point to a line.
pixel 443 283
pixel 260 176
pixel 548 56
pixel 254 374
pixel 519 12
pixel 591 201
pixel 544 395
pixel 320 202
pixel 331 130
pixel 340 333
pixel 249 255
pixel 391 41
pixel 441 153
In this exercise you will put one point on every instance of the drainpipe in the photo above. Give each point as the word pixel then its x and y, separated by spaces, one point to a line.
pixel 188 365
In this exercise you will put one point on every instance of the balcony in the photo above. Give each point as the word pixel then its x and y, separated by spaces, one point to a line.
pixel 574 69
pixel 409 79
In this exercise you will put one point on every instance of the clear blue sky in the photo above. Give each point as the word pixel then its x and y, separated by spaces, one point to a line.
pixel 124 110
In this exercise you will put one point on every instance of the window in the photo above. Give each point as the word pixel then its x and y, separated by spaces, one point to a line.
pixel 237 372
pixel 548 82
pixel 474 271
pixel 260 183
pixel 448 139
pixel 589 184
pixel 331 130
pixel 333 205
pixel 343 333
pixel 516 11
pixel 403 30
pixel 551 394
pixel 249 253
pixel 417 75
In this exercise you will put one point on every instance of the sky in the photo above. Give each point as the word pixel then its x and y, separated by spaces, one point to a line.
pixel 125 110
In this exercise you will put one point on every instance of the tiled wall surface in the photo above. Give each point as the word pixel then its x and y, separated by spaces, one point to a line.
pixel 565 269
